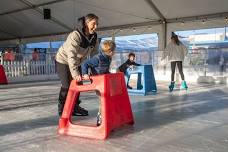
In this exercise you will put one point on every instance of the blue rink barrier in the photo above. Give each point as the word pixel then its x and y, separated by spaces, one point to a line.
pixel 146 83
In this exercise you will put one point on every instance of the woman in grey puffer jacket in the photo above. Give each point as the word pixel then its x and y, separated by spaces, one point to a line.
pixel 80 44
pixel 176 52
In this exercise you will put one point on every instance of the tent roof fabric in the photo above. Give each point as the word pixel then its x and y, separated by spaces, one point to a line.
pixel 24 18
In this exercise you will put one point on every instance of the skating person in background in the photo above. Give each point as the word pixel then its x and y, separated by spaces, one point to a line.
pixel 176 52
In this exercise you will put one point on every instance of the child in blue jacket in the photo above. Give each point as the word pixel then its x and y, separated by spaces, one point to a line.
pixel 99 64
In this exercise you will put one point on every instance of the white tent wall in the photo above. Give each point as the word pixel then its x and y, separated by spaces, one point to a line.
pixel 8 43
pixel 194 25
pixel 108 33
pixel 53 38
pixel 134 31
pixel 138 30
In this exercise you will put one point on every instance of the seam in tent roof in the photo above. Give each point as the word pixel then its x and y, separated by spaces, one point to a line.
pixel 111 10
pixel 29 7
pixel 10 34
pixel 155 9
pixel 150 22
pixel 40 11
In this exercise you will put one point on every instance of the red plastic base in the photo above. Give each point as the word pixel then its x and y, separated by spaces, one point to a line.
pixel 3 79
pixel 115 107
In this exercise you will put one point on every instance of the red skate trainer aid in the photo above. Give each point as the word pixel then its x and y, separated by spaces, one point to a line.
pixel 115 107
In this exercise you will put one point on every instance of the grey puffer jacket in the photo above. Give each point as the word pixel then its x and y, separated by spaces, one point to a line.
pixel 76 49
pixel 175 52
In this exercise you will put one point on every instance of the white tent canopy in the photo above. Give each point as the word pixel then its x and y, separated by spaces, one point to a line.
pixel 21 19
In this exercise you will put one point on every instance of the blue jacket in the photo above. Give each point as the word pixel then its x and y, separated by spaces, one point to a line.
pixel 99 64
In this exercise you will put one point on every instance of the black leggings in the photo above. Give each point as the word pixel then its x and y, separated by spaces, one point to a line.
pixel 180 68
pixel 65 77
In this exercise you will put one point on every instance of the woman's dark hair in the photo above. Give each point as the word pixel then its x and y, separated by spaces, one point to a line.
pixel 176 40
pixel 131 54
pixel 88 17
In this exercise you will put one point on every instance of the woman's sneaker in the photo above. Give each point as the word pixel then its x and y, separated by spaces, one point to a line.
pixel 99 119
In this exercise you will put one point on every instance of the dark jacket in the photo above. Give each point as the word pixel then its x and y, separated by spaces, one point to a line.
pixel 125 65
pixel 99 64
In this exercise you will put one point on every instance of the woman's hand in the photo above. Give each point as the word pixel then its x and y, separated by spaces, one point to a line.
pixel 86 77
pixel 78 78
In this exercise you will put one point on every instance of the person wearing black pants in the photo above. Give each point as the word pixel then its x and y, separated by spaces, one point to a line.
pixel 180 68
pixel 66 78
pixel 80 44
pixel 176 52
